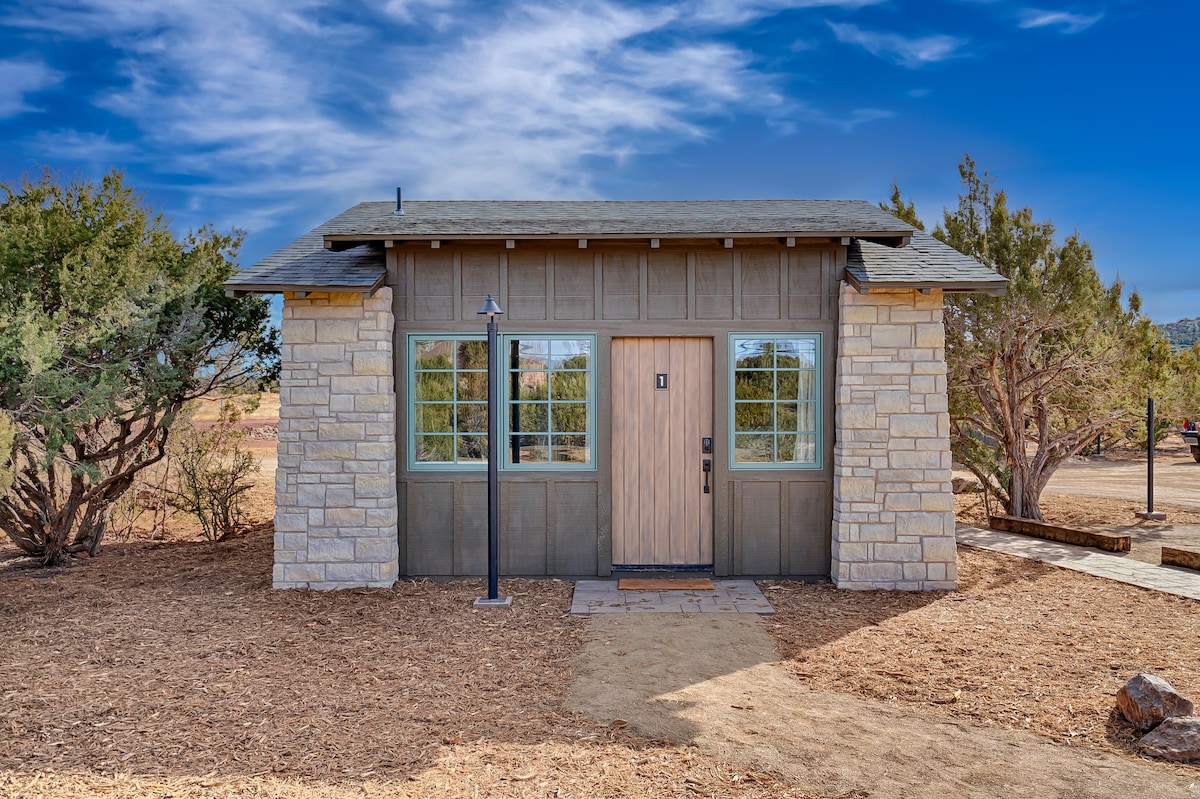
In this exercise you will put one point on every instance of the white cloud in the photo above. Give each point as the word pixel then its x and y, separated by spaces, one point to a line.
pixel 736 12
pixel 20 78
pixel 1063 20
pixel 267 105
pixel 910 52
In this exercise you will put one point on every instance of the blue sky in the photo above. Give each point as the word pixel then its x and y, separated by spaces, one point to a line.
pixel 274 115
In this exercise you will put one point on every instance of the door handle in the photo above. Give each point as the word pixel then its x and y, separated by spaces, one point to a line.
pixel 707 471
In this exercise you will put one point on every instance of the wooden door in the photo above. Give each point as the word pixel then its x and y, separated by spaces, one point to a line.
pixel 661 413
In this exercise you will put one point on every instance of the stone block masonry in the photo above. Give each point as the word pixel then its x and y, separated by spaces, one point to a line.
pixel 893 509
pixel 335 488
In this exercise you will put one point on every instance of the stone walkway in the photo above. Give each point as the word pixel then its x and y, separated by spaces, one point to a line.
pixel 593 597
pixel 1168 579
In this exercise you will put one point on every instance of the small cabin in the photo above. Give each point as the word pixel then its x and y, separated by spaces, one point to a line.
pixel 753 388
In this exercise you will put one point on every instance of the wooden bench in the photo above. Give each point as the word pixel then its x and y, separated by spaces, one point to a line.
pixel 1110 542
pixel 1178 556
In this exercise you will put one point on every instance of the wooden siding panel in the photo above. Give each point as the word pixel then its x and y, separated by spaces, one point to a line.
pixel 622 285
pixel 760 284
pixel 810 516
pixel 759 525
pixel 576 514
pixel 669 306
pixel 574 286
pixel 805 285
pixel 666 285
pixel 470 539
pixel 523 507
pixel 526 285
pixel 430 527
pixel 714 285
pixel 433 286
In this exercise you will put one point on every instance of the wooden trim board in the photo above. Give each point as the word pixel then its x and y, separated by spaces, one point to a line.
pixel 1111 542
pixel 665 584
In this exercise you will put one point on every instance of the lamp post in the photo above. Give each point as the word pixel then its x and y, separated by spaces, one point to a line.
pixel 493 600
pixel 1150 513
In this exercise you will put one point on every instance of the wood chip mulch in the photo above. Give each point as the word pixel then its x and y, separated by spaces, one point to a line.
pixel 172 669
pixel 1021 645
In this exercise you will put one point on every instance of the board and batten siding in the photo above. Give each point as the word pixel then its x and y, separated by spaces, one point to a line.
pixel 559 522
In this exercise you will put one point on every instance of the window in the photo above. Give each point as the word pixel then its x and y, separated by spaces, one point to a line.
pixel 448 420
pixel 776 403
pixel 548 408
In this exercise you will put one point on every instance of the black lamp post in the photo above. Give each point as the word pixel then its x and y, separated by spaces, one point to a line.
pixel 493 600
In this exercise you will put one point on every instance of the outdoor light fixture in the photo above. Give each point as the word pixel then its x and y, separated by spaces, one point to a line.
pixel 493 600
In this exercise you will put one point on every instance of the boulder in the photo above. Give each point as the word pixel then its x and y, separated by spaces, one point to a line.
pixel 1177 738
pixel 961 485
pixel 1146 700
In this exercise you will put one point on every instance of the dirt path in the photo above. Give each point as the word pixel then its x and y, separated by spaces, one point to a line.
pixel 715 682
pixel 1176 477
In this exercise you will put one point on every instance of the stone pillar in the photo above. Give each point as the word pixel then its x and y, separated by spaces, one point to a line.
pixel 893 509
pixel 335 488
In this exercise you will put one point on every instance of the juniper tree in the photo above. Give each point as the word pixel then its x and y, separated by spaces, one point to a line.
pixel 1035 375
pixel 109 323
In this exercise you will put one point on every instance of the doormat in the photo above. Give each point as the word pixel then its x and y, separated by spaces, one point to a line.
pixel 665 584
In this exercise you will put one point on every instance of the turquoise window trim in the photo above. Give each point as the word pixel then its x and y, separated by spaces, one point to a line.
pixel 412 404
pixel 817 404
pixel 506 338
pixel 506 402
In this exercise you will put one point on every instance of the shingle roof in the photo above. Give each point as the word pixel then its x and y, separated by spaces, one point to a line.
pixel 924 263
pixel 305 265
pixel 517 218
pixel 308 265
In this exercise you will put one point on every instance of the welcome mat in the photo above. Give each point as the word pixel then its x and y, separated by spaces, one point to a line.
pixel 665 584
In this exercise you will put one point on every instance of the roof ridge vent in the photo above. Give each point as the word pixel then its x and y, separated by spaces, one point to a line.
pixel 399 203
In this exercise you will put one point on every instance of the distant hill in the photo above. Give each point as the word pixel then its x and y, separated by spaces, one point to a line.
pixel 1182 334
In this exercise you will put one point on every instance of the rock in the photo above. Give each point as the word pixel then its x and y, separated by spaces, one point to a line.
pixel 961 485
pixel 1146 700
pixel 1177 738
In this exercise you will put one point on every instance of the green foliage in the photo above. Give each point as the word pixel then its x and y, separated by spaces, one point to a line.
pixel 896 206
pixel 212 473
pixel 1036 374
pixel 109 323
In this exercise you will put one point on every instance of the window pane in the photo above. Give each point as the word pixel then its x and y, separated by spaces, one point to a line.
pixel 531 353
pixel 754 385
pixel 570 449
pixel 797 448
pixel 568 417
pixel 472 449
pixel 433 449
pixel 530 385
pixel 529 449
pixel 529 417
pixel 472 355
pixel 754 354
pixel 472 386
pixel 435 386
pixel 753 449
pixel 471 417
pixel 571 353
pixel 786 417
pixel 569 386
pixel 433 354
pixel 433 418
pixel 753 416
pixel 806 420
